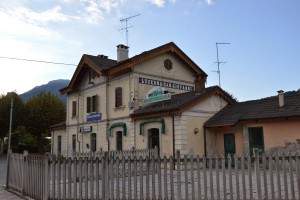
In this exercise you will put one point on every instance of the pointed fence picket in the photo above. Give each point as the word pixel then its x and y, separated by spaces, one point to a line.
pixel 136 176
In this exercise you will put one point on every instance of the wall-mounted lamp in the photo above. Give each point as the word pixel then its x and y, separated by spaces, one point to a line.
pixel 196 130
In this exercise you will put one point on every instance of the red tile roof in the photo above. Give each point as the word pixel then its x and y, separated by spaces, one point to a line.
pixel 266 108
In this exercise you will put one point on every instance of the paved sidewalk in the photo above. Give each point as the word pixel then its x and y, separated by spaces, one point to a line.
pixel 6 195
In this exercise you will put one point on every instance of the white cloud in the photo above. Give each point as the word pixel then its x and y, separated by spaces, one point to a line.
pixel 209 2
pixel 95 9
pixel 26 15
pixel 13 23
pixel 159 3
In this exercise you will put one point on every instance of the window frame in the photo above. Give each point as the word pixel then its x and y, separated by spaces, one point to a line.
pixel 118 97
pixel 74 108
pixel 93 142
pixel 74 142
pixel 59 142
pixel 92 104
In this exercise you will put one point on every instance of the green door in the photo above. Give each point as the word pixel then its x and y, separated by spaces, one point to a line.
pixel 229 144
pixel 256 139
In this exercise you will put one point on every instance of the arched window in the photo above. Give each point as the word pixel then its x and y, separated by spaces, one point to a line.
pixel 93 142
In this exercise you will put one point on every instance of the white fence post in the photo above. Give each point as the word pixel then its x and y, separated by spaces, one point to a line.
pixel 25 153
pixel 46 176
pixel 258 186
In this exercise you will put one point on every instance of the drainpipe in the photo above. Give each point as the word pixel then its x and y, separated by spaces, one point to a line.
pixel 77 137
pixel 107 112
pixel 204 131
pixel 173 136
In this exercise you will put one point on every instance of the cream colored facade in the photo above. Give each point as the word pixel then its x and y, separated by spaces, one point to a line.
pixel 180 130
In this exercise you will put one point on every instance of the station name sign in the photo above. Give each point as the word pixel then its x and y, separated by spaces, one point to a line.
pixel 156 94
pixel 85 129
pixel 165 84
pixel 94 117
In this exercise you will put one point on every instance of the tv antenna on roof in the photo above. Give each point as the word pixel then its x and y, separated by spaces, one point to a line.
pixel 218 61
pixel 126 25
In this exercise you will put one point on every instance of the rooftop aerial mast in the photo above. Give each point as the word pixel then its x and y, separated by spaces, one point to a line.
pixel 218 61
pixel 126 25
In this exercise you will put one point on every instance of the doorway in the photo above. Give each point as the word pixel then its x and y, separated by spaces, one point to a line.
pixel 229 144
pixel 153 138
pixel 119 135
pixel 256 139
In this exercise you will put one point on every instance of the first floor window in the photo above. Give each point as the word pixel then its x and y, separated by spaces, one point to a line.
pixel 92 104
pixel 118 94
pixel 93 142
pixel 74 108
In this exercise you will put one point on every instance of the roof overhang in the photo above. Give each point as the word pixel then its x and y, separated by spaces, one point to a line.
pixel 167 48
pixel 179 110
pixel 84 64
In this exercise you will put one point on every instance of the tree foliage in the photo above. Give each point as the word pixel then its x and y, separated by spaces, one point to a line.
pixel 18 113
pixel 42 111
pixel 17 117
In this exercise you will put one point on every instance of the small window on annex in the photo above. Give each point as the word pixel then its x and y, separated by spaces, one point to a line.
pixel 74 143
pixel 118 95
pixel 59 145
pixel 93 142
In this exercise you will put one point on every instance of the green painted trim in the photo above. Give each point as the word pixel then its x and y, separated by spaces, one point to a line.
pixel 145 121
pixel 116 125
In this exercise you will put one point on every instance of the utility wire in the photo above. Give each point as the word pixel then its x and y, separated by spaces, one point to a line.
pixel 40 61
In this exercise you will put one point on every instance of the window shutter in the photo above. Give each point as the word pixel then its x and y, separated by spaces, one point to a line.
pixel 119 97
pixel 88 104
pixel 74 105
pixel 95 103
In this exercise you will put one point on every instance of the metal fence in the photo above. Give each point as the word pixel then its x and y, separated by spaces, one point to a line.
pixel 182 177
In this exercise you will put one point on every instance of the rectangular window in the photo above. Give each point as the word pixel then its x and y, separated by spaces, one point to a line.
pixel 59 145
pixel 93 142
pixel 118 94
pixel 74 143
pixel 88 104
pixel 74 109
pixel 92 104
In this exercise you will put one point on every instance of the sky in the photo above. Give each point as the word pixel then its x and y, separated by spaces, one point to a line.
pixel 263 55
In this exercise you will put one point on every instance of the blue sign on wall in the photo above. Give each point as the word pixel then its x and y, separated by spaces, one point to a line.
pixel 94 117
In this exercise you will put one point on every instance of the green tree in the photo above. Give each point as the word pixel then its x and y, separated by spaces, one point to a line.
pixel 17 118
pixel 42 111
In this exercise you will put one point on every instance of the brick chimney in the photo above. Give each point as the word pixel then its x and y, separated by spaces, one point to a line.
pixel 199 84
pixel 281 98
pixel 122 52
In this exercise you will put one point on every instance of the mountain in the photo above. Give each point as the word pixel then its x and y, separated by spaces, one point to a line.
pixel 52 87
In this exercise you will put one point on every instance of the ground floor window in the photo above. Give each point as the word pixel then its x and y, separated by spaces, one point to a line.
pixel 74 143
pixel 153 138
pixel 229 144
pixel 256 139
pixel 119 140
pixel 93 142
pixel 59 145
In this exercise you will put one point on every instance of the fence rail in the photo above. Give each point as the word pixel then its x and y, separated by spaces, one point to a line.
pixel 138 177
